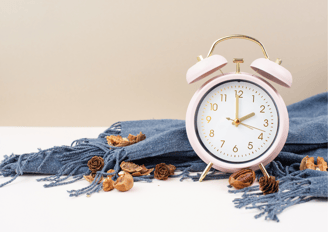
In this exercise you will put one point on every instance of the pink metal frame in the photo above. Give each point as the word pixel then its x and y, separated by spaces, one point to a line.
pixel 270 154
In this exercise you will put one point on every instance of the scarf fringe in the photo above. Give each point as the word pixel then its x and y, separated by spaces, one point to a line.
pixel 293 189
pixel 73 157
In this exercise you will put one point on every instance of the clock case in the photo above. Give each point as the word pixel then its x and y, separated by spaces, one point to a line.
pixel 267 68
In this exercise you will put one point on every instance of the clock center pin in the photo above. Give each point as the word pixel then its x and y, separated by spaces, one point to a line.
pixel 236 121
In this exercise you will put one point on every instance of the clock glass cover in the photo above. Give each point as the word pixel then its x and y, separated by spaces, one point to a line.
pixel 236 121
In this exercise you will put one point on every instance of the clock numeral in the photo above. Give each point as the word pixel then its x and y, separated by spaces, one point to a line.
pixel 211 133
pixel 253 97
pixel 240 92
pixel 266 124
pixel 235 149
pixel 261 136
pixel 214 107
pixel 223 97
pixel 223 141
pixel 208 119
pixel 262 107
pixel 250 145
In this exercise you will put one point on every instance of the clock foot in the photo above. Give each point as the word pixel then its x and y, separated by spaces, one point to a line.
pixel 264 171
pixel 206 170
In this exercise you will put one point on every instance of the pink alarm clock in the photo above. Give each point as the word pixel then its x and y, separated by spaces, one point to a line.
pixel 237 120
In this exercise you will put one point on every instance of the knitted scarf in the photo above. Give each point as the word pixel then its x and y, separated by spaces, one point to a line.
pixel 167 142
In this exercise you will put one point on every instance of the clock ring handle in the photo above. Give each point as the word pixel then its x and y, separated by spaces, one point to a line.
pixel 238 37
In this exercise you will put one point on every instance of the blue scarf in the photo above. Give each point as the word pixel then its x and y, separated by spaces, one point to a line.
pixel 167 142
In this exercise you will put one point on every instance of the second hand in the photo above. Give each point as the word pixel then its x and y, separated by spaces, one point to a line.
pixel 250 127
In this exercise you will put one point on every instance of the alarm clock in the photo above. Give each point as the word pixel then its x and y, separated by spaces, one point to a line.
pixel 237 120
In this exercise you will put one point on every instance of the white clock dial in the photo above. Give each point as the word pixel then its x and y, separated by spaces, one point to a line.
pixel 247 138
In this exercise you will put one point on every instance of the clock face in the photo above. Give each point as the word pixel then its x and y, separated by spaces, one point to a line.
pixel 236 121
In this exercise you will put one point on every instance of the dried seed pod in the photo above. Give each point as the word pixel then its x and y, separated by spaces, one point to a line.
pixel 269 185
pixel 114 140
pixel 124 182
pixel 140 137
pixel 321 164
pixel 242 178
pixel 130 167
pixel 118 141
pixel 132 137
pixel 134 169
pixel 88 178
pixel 91 177
pixel 303 163
pixel 95 164
pixel 108 184
pixel 125 143
pixel 143 172
pixel 110 171
pixel 307 163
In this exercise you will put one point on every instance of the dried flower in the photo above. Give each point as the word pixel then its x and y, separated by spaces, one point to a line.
pixel 242 178
pixel 134 169
pixel 95 164
pixel 124 182
pixel 91 177
pixel 308 163
pixel 269 185
pixel 163 171
pixel 108 184
pixel 118 141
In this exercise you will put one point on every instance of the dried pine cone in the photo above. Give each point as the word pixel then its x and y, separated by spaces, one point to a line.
pixel 163 171
pixel 269 185
pixel 242 178
pixel 95 164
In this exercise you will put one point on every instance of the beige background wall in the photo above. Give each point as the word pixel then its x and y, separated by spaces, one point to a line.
pixel 92 63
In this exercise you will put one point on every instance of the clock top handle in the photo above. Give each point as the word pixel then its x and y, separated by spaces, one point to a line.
pixel 238 37
pixel 263 66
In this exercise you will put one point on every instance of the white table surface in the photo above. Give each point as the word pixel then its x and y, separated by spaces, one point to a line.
pixel 25 205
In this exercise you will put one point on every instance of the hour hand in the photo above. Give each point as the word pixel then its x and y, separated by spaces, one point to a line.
pixel 246 117
pixel 238 121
